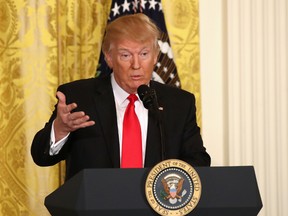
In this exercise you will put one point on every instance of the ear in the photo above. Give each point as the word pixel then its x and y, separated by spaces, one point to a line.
pixel 108 60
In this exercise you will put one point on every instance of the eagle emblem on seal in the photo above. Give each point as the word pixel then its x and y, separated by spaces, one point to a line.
pixel 173 184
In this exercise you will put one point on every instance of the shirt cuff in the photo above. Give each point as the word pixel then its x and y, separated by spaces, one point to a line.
pixel 55 147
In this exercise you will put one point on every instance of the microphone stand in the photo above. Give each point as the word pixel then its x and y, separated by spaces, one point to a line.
pixel 162 137
pixel 149 99
pixel 158 113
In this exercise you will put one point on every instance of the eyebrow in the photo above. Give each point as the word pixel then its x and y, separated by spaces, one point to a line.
pixel 126 49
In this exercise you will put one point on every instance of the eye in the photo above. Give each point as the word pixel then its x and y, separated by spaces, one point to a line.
pixel 144 54
pixel 125 56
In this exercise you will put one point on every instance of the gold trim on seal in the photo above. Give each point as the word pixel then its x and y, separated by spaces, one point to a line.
pixel 177 168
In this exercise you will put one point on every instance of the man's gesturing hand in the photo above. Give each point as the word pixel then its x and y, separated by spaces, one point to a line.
pixel 66 121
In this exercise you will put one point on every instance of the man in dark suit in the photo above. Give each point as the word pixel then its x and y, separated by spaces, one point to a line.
pixel 86 126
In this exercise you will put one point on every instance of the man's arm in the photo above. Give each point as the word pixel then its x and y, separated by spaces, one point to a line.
pixel 65 122
pixel 193 150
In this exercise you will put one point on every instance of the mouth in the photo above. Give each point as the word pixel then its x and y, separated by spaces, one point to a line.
pixel 136 77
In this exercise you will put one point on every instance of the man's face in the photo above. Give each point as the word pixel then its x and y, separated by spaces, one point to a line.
pixel 132 63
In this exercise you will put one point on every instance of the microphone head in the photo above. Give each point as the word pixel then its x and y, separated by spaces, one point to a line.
pixel 148 97
pixel 142 91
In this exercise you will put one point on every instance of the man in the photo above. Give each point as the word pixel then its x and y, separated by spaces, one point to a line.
pixel 86 128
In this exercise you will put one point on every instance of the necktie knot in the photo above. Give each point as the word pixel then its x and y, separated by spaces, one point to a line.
pixel 132 98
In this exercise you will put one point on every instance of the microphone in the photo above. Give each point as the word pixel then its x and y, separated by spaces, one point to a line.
pixel 149 98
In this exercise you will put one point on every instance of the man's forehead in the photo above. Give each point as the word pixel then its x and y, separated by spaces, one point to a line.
pixel 129 44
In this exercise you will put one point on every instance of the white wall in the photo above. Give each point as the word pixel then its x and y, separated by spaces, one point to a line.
pixel 213 84
pixel 244 84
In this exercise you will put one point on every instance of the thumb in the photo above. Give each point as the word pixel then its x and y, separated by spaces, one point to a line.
pixel 61 98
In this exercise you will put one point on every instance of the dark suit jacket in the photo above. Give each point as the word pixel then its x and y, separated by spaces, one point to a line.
pixel 98 146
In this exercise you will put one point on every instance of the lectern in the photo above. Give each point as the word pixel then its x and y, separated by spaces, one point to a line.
pixel 226 191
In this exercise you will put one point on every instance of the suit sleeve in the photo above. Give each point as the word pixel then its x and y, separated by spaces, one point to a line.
pixel 41 145
pixel 192 148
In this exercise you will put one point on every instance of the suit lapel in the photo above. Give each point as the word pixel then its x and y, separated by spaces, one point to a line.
pixel 106 111
pixel 105 107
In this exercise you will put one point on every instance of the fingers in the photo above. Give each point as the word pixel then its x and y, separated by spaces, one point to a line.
pixel 65 124
pixel 68 121
pixel 79 120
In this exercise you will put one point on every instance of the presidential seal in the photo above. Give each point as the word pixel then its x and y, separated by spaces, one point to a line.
pixel 173 187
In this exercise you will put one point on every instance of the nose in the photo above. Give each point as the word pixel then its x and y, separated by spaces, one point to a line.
pixel 135 62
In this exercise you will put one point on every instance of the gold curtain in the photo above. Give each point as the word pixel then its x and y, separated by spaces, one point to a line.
pixel 182 22
pixel 44 43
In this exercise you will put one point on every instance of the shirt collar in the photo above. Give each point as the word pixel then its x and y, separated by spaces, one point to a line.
pixel 119 94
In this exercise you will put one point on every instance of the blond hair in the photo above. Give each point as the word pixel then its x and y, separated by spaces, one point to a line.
pixel 136 27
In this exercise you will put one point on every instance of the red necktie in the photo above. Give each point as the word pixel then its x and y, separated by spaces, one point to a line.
pixel 131 140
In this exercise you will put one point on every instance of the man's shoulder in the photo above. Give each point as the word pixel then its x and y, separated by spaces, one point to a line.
pixel 165 89
pixel 86 83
